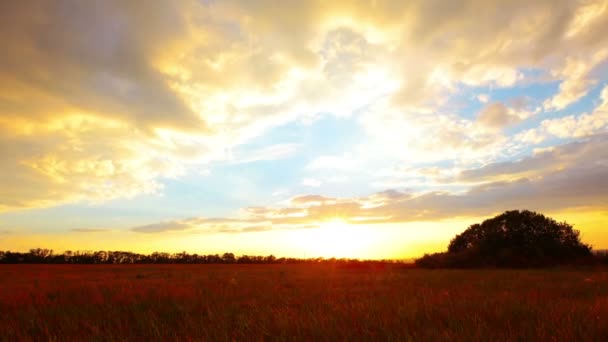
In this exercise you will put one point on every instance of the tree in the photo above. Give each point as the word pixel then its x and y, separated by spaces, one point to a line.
pixel 228 258
pixel 271 259
pixel 512 239
pixel 39 255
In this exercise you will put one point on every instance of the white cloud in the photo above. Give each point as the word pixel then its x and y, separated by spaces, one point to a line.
pixel 395 133
pixel 577 81
pixel 344 162
pixel 315 183
pixel 272 152
pixel 337 179
pixel 483 98
pixel 577 126
pixel 572 126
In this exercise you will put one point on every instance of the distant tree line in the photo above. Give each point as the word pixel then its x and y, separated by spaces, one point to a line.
pixel 47 256
pixel 601 256
pixel 515 239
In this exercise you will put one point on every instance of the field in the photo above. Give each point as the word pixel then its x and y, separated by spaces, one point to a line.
pixel 299 302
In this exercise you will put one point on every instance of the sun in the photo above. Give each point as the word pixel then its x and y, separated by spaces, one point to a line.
pixel 335 225
pixel 338 238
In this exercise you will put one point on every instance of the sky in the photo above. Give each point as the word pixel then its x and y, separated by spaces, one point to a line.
pixel 365 129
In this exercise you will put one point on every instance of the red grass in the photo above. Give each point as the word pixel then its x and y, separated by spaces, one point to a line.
pixel 303 302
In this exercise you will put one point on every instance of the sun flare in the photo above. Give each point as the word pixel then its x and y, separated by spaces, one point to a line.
pixel 335 225
pixel 338 238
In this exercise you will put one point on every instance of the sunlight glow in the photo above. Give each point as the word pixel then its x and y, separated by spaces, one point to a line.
pixel 337 238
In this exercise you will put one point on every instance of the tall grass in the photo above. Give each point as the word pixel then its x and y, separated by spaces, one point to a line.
pixel 298 302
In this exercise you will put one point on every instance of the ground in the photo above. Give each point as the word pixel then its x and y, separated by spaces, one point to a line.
pixel 299 302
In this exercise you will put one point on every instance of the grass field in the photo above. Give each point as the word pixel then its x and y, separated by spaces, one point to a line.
pixel 299 302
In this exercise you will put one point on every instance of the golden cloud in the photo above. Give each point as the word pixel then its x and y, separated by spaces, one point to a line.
pixel 102 100
pixel 571 176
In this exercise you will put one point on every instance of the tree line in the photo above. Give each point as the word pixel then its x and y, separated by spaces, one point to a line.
pixel 47 256
pixel 512 239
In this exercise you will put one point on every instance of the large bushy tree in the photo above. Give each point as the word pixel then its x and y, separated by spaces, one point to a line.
pixel 512 239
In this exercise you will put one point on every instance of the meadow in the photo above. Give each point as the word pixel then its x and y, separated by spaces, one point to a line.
pixel 299 302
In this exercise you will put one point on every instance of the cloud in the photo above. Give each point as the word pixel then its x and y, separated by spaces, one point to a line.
pixel 89 230
pixel 585 17
pixel 272 152
pixel 82 102
pixel 344 162
pixel 573 126
pixel 161 227
pixel 483 98
pixel 311 182
pixel 579 154
pixel 253 223
pixel 569 176
pixel 576 126
pixel 577 81
pixel 496 115
pixel 106 100
pixel 60 164
pixel 75 57
pixel 337 179
pixel 425 137
pixel 311 199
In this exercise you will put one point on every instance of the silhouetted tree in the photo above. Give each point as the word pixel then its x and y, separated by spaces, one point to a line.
pixel 271 259
pixel 39 255
pixel 228 258
pixel 512 239
pixel 244 259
